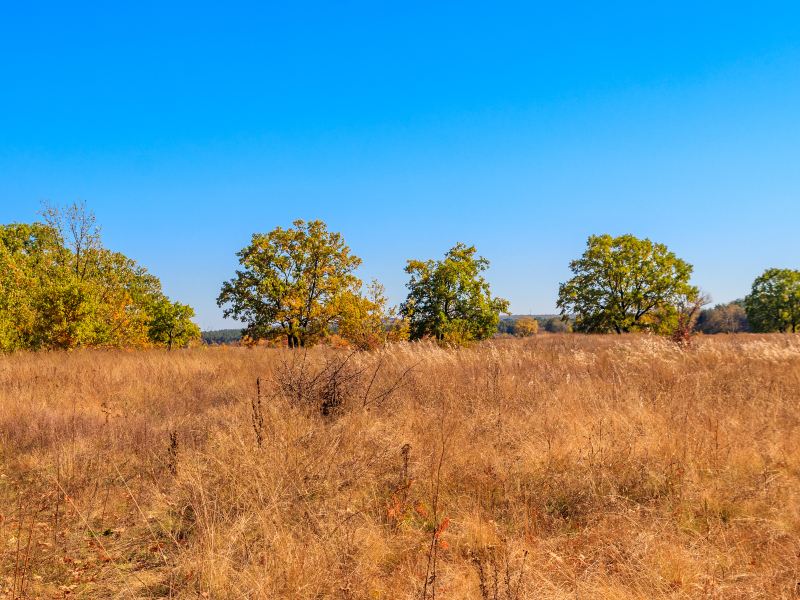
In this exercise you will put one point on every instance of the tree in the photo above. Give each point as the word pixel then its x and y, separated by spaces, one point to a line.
pixel 774 301
pixel 290 282
pixel 27 259
pixel 526 327
pixel 365 319
pixel 60 289
pixel 626 284
pixel 78 236
pixel 724 318
pixel 171 324
pixel 450 300
pixel 557 325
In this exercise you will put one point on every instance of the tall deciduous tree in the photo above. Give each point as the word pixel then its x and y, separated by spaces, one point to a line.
pixel 624 284
pixel 290 281
pixel 450 299
pixel 774 301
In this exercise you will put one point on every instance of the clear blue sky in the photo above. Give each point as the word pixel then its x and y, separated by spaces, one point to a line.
pixel 518 127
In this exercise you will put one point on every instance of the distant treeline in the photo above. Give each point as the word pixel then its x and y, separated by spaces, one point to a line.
pixel 522 324
pixel 508 325
pixel 221 336
pixel 722 318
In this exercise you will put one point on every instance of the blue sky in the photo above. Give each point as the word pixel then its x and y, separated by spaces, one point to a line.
pixel 521 128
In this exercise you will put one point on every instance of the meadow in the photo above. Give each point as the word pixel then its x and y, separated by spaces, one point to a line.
pixel 552 467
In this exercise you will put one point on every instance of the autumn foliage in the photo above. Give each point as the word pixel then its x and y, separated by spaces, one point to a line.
pixel 61 289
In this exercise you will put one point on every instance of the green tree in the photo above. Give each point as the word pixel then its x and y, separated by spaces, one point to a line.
pixel 290 282
pixel 774 301
pixel 624 284
pixel 27 260
pixel 171 324
pixel 450 300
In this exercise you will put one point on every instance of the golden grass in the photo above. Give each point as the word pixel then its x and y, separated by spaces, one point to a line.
pixel 559 466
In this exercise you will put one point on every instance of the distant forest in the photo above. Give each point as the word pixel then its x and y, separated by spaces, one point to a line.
pixel 722 318
pixel 221 336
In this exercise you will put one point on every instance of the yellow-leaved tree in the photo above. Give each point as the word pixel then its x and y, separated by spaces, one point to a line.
pixel 366 321
pixel 526 327
pixel 292 283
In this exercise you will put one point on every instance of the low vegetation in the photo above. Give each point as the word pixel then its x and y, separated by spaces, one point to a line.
pixel 553 466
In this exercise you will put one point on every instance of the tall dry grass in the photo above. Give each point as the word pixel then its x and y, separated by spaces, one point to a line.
pixel 555 467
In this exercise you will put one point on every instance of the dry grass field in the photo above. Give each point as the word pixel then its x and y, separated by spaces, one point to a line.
pixel 554 467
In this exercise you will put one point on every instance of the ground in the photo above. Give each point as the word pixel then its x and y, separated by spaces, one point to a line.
pixel 559 466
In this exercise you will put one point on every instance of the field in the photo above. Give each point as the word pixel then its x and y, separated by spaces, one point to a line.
pixel 560 466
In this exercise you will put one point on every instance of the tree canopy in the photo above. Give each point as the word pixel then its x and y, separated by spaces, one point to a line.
pixel 365 319
pixel 526 327
pixel 171 323
pixel 774 301
pixel 60 288
pixel 624 284
pixel 291 283
pixel 450 300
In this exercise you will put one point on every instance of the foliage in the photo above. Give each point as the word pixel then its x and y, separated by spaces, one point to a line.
pixel 557 325
pixel 626 284
pixel 290 283
pixel 27 256
pixel 549 323
pixel 365 321
pixel 724 318
pixel 59 288
pixel 450 300
pixel 774 301
pixel 526 326
pixel 171 324
pixel 221 336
